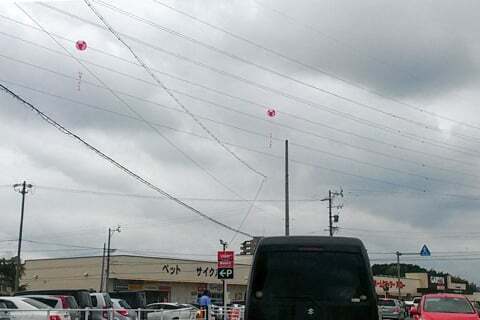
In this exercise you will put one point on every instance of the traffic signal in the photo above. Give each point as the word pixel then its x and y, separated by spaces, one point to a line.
pixel 248 247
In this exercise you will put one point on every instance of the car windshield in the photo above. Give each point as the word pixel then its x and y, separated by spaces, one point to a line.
pixel 290 274
pixel 448 305
pixel 383 302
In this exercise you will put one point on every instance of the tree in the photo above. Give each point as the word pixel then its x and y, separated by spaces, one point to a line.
pixel 7 271
pixel 390 269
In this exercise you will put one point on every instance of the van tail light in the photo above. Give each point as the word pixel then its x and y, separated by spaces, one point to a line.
pixel 54 317
pixel 123 312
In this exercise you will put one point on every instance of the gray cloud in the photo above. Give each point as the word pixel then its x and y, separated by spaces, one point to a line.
pixel 380 170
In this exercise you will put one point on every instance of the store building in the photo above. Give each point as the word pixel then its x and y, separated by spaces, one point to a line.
pixel 166 279
pixel 181 280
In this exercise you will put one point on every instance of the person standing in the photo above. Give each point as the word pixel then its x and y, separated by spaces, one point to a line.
pixel 204 301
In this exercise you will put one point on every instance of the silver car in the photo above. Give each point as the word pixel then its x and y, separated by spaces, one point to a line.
pixel 4 314
pixel 391 309
pixel 123 311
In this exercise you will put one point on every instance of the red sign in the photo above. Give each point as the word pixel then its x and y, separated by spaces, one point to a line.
pixel 389 284
pixel 225 259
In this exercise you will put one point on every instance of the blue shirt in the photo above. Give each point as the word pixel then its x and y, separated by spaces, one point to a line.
pixel 204 301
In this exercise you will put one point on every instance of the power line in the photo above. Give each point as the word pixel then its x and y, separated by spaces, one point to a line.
pixel 169 92
pixel 132 110
pixel 314 165
pixel 249 131
pixel 351 159
pixel 314 134
pixel 373 58
pixel 143 196
pixel 300 100
pixel 410 136
pixel 117 164
pixel 278 73
pixel 306 65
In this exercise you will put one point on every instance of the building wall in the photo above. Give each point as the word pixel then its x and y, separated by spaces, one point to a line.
pixel 81 273
pixel 408 286
pixel 178 280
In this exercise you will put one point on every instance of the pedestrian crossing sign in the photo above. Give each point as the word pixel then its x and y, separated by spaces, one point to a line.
pixel 425 252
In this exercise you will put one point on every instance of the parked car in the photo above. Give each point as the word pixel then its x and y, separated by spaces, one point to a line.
pixel 29 309
pixel 234 311
pixel 135 299
pixel 416 301
pixel 171 311
pixel 82 296
pixel 123 311
pixel 59 302
pixel 443 306
pixel 391 309
pixel 102 300
pixel 4 314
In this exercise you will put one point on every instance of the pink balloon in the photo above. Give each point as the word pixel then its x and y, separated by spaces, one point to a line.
pixel 271 113
pixel 81 45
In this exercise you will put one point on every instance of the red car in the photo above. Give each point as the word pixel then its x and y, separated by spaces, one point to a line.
pixel 444 306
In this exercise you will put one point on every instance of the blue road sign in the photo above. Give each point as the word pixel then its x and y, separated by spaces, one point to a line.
pixel 425 252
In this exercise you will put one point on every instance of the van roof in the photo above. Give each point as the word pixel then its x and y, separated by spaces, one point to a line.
pixel 336 243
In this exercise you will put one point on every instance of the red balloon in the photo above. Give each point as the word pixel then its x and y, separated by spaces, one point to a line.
pixel 81 45
pixel 271 113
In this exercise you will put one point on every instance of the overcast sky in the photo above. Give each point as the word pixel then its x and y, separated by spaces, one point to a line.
pixel 376 98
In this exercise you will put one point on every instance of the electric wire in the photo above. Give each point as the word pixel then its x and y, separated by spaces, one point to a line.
pixel 276 72
pixel 168 91
pixel 369 56
pixel 124 169
pixel 131 109
pixel 300 100
pixel 311 133
pixel 426 178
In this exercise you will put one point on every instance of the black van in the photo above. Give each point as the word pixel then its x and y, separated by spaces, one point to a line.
pixel 327 278
pixel 82 296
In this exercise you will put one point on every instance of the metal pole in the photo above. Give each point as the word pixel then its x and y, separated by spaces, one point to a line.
pixel 398 273
pixel 20 233
pixel 330 222
pixel 224 282
pixel 102 273
pixel 107 277
pixel 287 213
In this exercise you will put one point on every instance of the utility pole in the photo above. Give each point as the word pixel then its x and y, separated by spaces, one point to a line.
pixel 22 188
pixel 330 198
pixel 287 202
pixel 398 273
pixel 110 233
pixel 224 285
pixel 330 222
pixel 102 273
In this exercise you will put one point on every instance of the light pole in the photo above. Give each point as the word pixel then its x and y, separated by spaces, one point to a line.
pixel 224 283
pixel 110 234
pixel 22 188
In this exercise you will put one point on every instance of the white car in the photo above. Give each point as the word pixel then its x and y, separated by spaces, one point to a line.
pixel 23 308
pixel 170 311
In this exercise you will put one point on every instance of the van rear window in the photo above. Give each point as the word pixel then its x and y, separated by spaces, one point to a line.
pixel 314 275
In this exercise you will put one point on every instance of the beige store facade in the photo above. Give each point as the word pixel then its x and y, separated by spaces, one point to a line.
pixel 165 279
